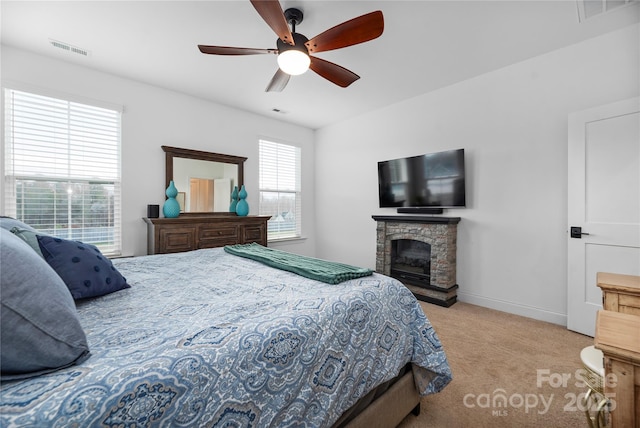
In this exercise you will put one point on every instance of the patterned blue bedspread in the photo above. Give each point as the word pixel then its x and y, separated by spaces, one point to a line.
pixel 208 338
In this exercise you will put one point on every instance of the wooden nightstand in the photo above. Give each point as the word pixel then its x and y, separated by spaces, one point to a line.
pixel 618 337
pixel 620 293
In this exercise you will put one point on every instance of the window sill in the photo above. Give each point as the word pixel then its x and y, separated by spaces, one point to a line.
pixel 286 240
pixel 119 256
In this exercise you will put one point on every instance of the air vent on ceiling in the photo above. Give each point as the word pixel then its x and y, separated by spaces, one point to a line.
pixel 590 8
pixel 69 48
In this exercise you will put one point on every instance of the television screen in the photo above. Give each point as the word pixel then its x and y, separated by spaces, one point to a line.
pixel 430 180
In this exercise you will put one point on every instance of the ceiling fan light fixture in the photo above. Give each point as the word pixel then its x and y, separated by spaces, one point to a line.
pixel 293 62
pixel 293 59
pixel 294 48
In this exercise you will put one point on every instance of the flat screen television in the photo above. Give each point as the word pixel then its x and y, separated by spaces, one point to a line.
pixel 435 180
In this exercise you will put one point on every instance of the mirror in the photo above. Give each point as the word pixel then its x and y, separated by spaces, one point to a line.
pixel 204 180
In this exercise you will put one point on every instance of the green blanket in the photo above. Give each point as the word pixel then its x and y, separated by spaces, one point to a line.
pixel 309 267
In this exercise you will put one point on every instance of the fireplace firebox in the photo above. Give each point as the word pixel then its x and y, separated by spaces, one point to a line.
pixel 411 261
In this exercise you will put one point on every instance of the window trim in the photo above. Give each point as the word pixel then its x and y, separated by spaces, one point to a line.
pixel 298 192
pixel 5 88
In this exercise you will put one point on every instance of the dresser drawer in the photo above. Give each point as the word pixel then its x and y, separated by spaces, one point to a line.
pixel 213 243
pixel 254 234
pixel 177 239
pixel 206 233
pixel 210 237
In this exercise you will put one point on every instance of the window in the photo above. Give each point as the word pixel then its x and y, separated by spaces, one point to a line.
pixel 62 168
pixel 280 195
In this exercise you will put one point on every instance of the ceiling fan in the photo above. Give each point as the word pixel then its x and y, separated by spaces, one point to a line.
pixel 294 49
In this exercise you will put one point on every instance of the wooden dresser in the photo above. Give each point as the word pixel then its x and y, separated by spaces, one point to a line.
pixel 618 337
pixel 186 233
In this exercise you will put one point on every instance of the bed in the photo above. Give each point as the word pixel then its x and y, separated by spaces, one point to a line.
pixel 208 338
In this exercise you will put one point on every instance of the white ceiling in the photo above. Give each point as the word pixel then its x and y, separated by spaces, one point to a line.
pixel 426 45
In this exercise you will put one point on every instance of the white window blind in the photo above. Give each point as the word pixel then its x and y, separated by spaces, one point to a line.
pixel 62 168
pixel 280 189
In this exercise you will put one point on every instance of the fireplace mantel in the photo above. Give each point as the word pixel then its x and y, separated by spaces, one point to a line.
pixel 441 234
pixel 417 219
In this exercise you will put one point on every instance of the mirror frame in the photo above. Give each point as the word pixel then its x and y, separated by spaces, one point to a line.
pixel 176 152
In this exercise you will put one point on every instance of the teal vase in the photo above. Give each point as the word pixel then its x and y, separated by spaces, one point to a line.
pixel 171 207
pixel 234 199
pixel 242 207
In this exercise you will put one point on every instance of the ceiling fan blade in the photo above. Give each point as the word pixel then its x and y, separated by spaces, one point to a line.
pixel 271 12
pixel 358 30
pixel 333 72
pixel 227 50
pixel 278 82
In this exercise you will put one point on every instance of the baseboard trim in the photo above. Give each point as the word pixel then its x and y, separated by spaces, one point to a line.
pixel 513 308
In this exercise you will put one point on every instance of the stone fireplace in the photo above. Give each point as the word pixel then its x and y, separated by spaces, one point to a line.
pixel 420 251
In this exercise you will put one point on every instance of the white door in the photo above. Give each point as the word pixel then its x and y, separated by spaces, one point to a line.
pixel 604 201
pixel 221 194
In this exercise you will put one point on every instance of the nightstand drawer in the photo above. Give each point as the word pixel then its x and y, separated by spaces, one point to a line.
pixel 620 293
pixel 629 304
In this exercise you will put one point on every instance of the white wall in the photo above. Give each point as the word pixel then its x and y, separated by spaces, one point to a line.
pixel 154 117
pixel 512 123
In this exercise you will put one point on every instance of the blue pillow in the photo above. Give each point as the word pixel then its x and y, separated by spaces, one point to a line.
pixel 82 267
pixel 39 327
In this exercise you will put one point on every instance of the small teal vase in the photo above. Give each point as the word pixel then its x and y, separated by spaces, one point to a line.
pixel 234 199
pixel 171 207
pixel 242 208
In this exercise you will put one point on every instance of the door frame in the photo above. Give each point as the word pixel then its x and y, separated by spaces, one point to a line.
pixel 576 191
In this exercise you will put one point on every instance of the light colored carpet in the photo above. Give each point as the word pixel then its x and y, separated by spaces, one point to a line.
pixel 509 371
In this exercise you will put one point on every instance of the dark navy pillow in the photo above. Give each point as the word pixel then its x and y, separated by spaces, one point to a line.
pixel 82 267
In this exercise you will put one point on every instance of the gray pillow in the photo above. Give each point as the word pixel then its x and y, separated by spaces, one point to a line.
pixel 10 222
pixel 39 327
pixel 28 236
